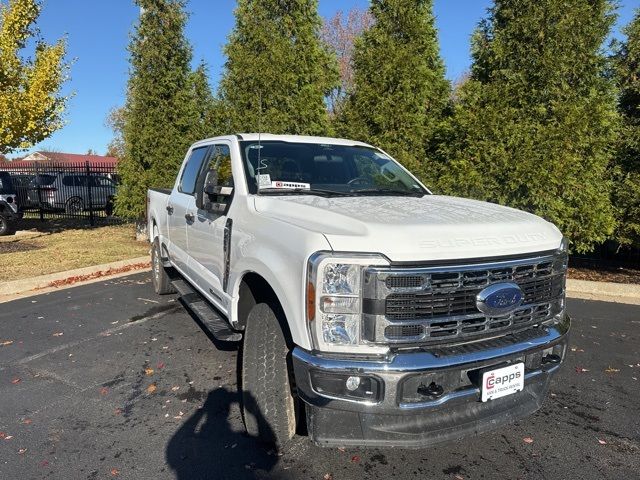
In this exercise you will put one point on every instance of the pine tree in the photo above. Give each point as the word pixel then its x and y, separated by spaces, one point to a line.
pixel 535 123
pixel 31 105
pixel 400 93
pixel 277 65
pixel 206 109
pixel 627 172
pixel 158 123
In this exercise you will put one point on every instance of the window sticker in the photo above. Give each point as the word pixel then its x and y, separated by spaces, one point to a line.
pixel 281 184
pixel 264 180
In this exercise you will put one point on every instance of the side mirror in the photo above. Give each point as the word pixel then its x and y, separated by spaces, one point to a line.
pixel 209 197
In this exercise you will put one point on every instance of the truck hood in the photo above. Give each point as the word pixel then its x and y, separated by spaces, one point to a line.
pixel 411 229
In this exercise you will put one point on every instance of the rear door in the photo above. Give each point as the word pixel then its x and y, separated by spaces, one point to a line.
pixel 180 207
pixel 209 234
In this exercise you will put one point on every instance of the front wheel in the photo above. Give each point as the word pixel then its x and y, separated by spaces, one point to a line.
pixel 268 406
pixel 6 227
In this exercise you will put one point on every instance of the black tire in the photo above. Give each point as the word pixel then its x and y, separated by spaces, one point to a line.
pixel 161 281
pixel 6 227
pixel 74 205
pixel 108 208
pixel 268 406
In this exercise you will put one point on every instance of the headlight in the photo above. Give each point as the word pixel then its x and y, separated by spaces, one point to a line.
pixel 564 246
pixel 334 301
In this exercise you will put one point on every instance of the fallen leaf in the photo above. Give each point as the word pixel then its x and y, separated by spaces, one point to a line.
pixel 602 442
pixel 104 391
pixel 117 411
pixel 22 451
pixel 581 370
pixel 16 381
pixel 2 434
pixel 148 371
pixel 152 388
pixel 6 342
pixel 527 440
pixel 58 334
pixel 160 365
pixel 173 389
pixel 355 459
pixel 612 370
pixel 342 449
pixel 115 472
pixel 328 476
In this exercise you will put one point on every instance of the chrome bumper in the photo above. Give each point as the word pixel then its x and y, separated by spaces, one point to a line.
pixel 399 418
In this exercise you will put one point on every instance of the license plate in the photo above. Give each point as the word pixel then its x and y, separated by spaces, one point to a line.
pixel 501 382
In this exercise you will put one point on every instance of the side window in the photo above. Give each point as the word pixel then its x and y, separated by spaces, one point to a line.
pixel 67 181
pixel 221 162
pixel 192 168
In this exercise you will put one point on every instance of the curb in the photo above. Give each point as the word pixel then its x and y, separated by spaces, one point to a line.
pixel 78 275
pixel 604 291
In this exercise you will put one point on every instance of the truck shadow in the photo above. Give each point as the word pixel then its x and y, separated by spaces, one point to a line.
pixel 207 446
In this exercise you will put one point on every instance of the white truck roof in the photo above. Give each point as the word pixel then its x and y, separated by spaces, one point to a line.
pixel 253 137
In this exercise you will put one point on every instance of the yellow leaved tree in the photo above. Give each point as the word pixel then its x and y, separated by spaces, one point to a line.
pixel 31 104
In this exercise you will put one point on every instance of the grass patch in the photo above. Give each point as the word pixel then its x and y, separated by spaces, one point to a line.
pixel 58 247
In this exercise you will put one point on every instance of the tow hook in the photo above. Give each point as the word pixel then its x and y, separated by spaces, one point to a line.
pixel 432 391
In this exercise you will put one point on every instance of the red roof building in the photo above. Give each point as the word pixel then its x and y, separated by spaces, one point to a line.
pixel 60 159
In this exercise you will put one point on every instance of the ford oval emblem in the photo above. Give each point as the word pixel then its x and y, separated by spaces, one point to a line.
pixel 499 299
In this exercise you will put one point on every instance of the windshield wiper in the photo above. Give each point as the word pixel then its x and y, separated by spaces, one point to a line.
pixel 301 191
pixel 387 191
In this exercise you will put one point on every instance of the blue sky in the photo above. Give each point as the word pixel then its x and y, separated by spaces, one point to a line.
pixel 98 34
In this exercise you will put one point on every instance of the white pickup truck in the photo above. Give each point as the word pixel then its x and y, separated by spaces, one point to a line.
pixel 369 311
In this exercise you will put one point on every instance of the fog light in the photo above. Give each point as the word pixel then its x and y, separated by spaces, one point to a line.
pixel 341 385
pixel 353 383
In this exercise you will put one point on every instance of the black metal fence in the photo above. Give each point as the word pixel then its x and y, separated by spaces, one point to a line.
pixel 48 190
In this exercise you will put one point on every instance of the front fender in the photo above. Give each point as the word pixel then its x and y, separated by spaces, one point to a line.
pixel 278 252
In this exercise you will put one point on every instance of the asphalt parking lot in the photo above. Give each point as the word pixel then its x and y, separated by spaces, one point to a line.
pixel 107 380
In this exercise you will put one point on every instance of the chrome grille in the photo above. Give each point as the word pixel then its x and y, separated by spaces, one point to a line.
pixel 429 304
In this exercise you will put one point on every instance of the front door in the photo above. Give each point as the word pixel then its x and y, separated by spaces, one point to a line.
pixel 207 234
pixel 179 206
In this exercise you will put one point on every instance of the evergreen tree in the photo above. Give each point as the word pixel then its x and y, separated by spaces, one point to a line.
pixel 627 172
pixel 206 109
pixel 535 123
pixel 277 64
pixel 31 105
pixel 158 121
pixel 400 93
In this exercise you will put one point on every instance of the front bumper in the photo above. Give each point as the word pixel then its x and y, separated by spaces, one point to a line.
pixel 402 417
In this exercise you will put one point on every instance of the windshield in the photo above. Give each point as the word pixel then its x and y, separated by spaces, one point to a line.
pixel 6 187
pixel 289 167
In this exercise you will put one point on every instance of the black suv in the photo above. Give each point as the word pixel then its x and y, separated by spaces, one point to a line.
pixel 9 213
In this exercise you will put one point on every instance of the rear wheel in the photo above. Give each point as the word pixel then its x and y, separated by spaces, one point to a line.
pixel 268 406
pixel 161 281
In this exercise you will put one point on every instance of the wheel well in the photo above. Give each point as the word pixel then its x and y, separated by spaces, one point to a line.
pixel 255 289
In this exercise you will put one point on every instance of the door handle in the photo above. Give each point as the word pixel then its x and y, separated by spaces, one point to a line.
pixel 169 209
pixel 189 217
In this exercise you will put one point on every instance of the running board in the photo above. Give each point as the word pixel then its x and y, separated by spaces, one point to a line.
pixel 210 318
